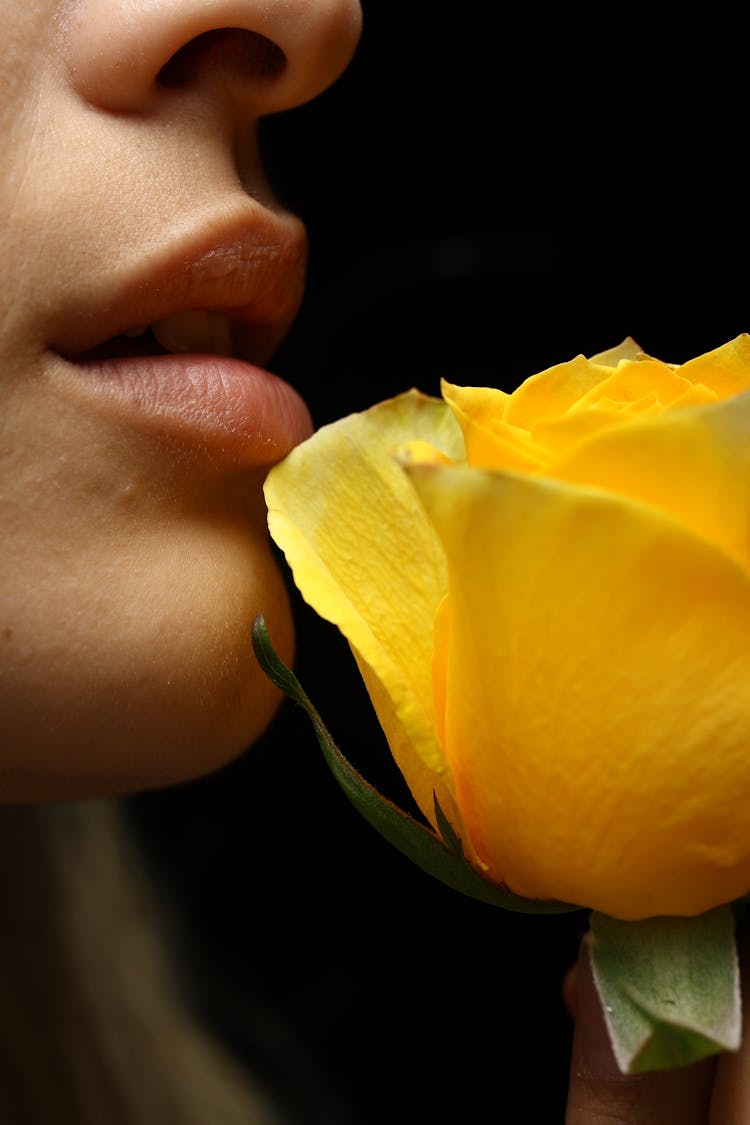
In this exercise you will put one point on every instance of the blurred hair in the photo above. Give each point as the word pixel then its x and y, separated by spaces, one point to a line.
pixel 93 1027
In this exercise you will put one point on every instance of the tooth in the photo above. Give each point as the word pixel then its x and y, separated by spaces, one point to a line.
pixel 139 330
pixel 196 331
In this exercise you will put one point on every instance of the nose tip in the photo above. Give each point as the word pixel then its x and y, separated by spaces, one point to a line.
pixel 119 51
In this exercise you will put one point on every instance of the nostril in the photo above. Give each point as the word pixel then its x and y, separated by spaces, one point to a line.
pixel 232 49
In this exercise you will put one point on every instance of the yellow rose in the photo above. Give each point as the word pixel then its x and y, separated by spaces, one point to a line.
pixel 548 596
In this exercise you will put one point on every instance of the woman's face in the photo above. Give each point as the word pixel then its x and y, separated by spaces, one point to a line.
pixel 148 277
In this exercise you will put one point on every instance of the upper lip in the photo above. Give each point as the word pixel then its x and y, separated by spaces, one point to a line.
pixel 250 267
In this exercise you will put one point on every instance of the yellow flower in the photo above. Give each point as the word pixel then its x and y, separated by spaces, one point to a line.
pixel 548 596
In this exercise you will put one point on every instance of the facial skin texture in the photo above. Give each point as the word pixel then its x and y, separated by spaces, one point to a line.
pixel 133 558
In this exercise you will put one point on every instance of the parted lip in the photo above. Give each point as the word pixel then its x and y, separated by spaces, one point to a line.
pixel 250 268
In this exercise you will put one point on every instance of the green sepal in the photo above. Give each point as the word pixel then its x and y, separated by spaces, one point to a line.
pixel 449 836
pixel 669 988
pixel 444 861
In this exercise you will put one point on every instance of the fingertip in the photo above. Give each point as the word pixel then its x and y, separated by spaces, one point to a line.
pixel 592 1047
pixel 569 988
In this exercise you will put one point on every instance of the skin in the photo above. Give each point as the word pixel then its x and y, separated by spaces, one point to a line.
pixel 132 565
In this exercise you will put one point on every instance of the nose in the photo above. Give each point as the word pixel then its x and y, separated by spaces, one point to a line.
pixel 288 51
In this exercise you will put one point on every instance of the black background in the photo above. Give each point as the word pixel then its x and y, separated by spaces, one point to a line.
pixel 490 189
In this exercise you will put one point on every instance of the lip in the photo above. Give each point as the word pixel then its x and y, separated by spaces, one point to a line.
pixel 220 403
pixel 249 268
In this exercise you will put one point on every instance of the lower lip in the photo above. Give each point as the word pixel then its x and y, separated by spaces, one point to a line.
pixel 206 400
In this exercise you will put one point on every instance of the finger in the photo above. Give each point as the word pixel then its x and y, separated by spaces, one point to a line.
pixel 599 1094
pixel 730 1103
pixel 570 991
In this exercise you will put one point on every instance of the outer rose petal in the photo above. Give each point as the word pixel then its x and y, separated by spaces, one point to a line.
pixel 598 695
pixel 365 556
pixel 691 463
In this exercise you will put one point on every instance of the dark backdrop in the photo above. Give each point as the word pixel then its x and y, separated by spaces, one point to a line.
pixel 490 189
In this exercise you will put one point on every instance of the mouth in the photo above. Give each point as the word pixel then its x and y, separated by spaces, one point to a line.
pixel 230 289
pixel 181 345
pixel 198 331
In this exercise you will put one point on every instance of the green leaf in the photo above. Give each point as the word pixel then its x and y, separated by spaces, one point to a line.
pixel 669 988
pixel 414 840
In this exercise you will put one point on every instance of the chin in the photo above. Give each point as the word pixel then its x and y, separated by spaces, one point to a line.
pixel 179 696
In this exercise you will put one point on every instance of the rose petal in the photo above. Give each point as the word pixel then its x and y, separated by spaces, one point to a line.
pixel 691 463
pixel 725 370
pixel 626 349
pixel 490 440
pixel 365 556
pixel 632 380
pixel 550 393
pixel 598 694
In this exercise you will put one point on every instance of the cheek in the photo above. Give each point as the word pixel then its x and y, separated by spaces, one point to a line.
pixel 128 588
